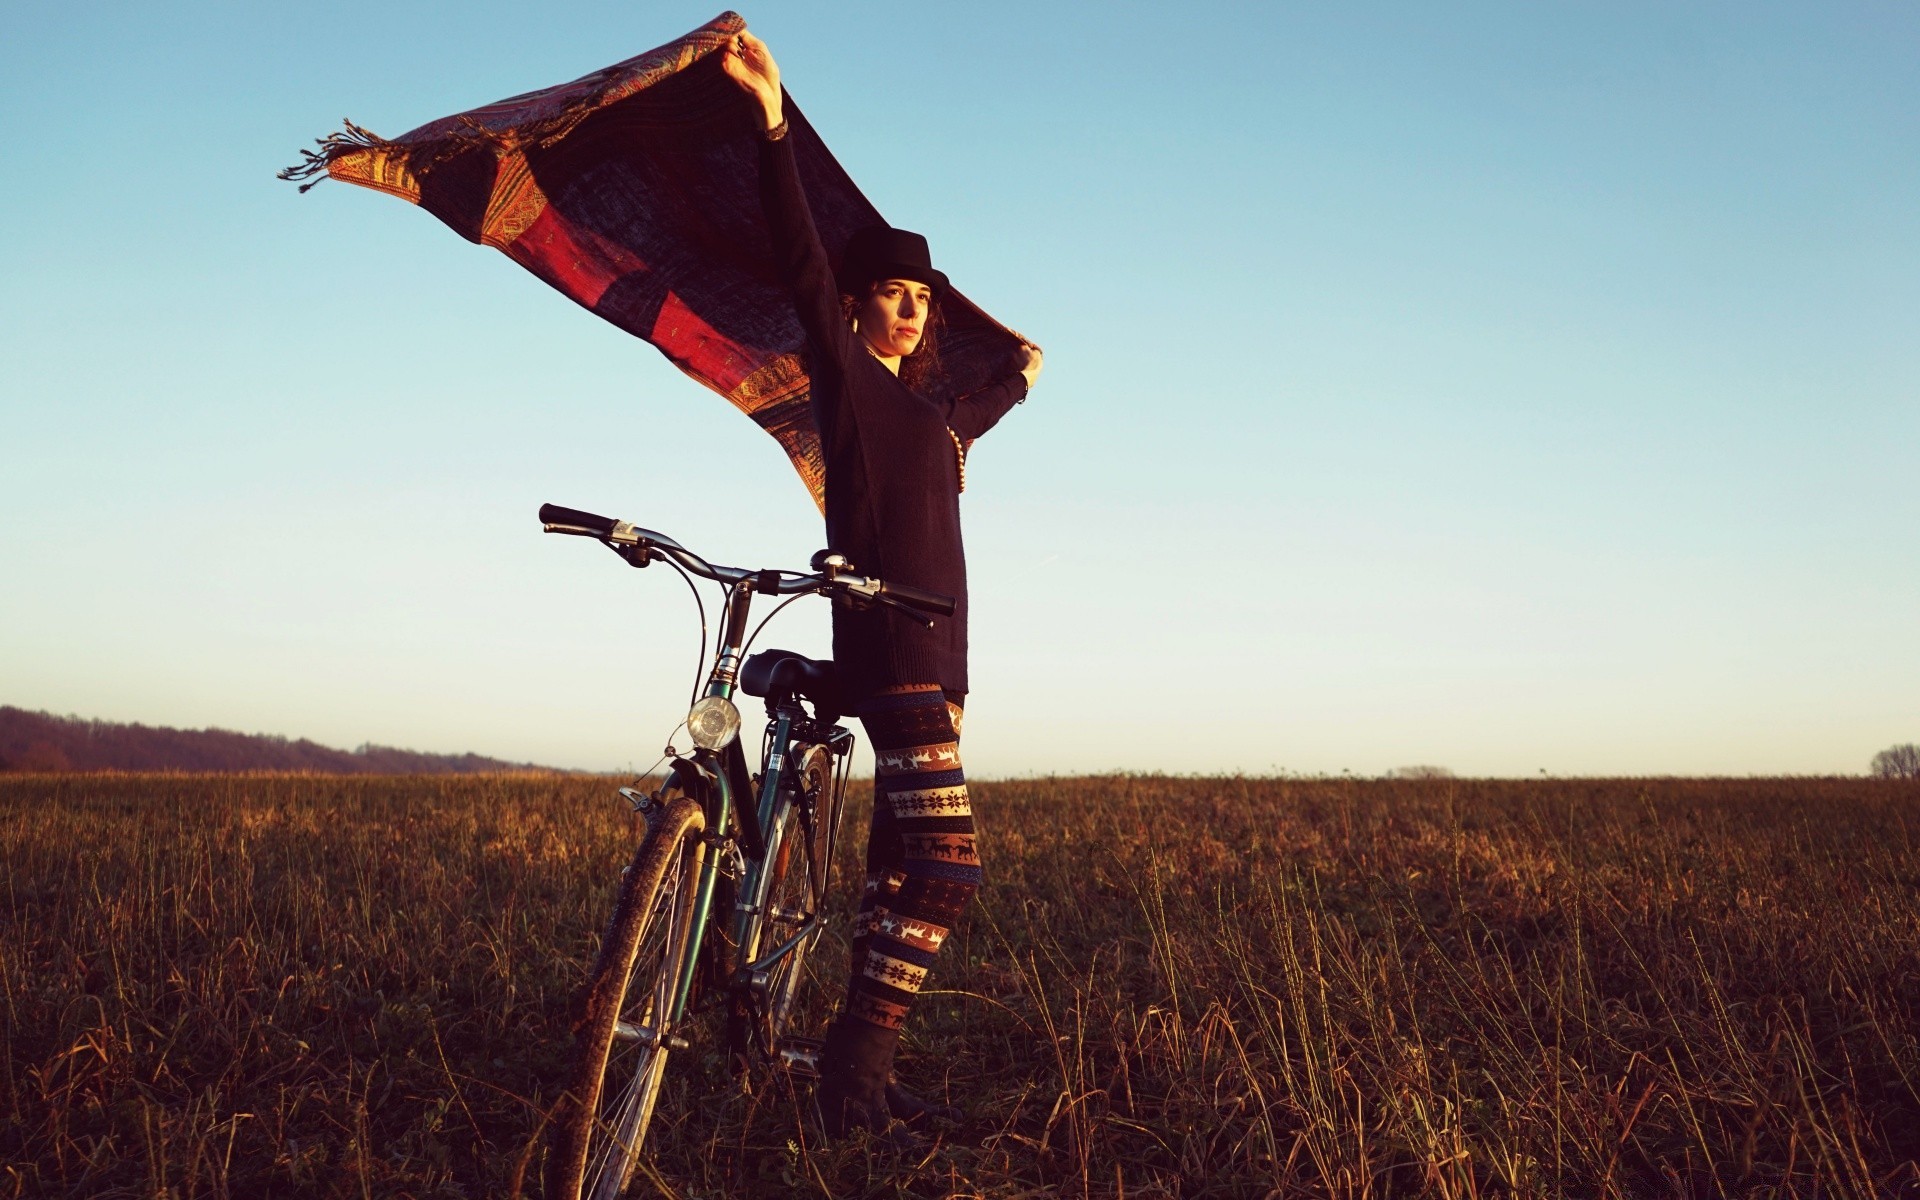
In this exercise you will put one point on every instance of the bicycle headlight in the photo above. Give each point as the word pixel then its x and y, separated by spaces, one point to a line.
pixel 713 722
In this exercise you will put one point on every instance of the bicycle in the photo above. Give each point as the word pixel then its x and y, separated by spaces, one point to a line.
pixel 753 850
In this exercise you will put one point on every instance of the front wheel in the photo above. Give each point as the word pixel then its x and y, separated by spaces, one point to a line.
pixel 624 1033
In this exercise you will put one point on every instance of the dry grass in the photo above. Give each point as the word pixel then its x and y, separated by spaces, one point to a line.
pixel 1175 987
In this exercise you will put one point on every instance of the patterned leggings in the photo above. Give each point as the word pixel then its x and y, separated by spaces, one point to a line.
pixel 922 865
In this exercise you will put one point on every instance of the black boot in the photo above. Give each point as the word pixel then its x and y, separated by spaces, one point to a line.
pixel 915 1113
pixel 855 1061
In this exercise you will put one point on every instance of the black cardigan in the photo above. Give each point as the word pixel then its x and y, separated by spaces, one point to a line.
pixel 892 472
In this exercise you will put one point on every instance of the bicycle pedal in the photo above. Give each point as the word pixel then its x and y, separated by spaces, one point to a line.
pixel 798 1056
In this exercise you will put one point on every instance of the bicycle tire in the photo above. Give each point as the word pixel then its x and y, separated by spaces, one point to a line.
pixel 796 889
pixel 604 1116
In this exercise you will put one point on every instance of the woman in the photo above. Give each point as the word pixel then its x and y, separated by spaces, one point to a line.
pixel 895 464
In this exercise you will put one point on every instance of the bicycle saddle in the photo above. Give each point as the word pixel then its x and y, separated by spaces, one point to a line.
pixel 773 672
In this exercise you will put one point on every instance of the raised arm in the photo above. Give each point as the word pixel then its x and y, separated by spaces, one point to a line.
pixel 973 414
pixel 801 258
pixel 976 412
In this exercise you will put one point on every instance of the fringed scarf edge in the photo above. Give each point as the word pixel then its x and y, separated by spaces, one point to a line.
pixel 391 164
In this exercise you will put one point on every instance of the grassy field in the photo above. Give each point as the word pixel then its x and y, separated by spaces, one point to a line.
pixel 333 986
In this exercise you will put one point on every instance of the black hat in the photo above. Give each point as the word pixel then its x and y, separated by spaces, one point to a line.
pixel 878 252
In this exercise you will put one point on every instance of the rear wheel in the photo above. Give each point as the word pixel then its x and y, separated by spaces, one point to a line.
pixel 623 1036
pixel 797 893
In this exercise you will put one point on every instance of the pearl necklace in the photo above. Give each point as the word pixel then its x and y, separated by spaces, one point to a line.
pixel 960 457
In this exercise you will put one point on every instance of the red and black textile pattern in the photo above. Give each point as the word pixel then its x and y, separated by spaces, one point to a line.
pixel 634 192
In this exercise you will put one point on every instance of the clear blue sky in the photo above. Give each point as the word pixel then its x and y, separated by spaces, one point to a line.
pixel 1503 386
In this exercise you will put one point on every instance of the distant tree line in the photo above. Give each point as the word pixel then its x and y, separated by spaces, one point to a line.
pixel 1898 762
pixel 38 741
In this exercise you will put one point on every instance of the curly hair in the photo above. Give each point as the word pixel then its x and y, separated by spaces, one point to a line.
pixel 921 370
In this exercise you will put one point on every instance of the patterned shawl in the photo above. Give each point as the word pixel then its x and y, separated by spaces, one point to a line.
pixel 635 192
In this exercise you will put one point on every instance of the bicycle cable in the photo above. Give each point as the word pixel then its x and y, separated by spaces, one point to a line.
pixel 770 616
pixel 701 605
pixel 669 753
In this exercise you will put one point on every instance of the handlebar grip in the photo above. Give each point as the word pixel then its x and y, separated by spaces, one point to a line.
pixel 930 602
pixel 554 514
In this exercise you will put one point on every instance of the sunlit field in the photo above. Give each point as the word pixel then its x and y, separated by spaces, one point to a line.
pixel 330 986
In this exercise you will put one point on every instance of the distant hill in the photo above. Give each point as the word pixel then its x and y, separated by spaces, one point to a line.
pixel 38 741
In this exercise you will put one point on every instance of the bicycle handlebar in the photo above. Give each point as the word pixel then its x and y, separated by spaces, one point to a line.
pixel 934 602
pixel 555 518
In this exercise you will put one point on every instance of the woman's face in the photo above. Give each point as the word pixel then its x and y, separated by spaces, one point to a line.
pixel 894 317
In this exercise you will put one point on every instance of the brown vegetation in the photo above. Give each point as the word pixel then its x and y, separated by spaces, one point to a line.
pixel 1174 987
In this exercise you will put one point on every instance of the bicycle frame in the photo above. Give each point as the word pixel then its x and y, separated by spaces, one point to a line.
pixel 720 781
pixel 779 743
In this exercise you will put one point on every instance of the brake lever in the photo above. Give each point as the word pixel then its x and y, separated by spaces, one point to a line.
pixel 637 554
pixel 924 620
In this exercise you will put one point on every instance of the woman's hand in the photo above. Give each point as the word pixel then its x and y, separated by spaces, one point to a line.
pixel 1027 361
pixel 750 64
